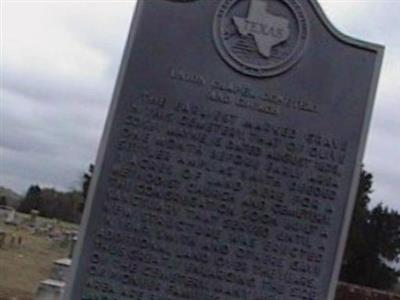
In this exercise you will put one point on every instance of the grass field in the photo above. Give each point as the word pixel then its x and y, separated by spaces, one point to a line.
pixel 23 267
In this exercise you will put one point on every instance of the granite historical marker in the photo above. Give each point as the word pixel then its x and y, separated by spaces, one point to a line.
pixel 230 158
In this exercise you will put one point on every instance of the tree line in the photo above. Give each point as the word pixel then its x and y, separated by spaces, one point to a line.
pixel 373 244
pixel 50 203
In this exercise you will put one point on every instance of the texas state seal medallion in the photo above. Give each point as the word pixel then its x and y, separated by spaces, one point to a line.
pixel 260 38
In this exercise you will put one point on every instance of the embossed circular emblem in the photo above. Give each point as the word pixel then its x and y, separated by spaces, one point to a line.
pixel 260 37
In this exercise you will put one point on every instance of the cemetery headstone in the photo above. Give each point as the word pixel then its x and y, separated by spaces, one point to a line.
pixel 73 240
pixel 33 217
pixel 2 238
pixel 53 287
pixel 50 289
pixel 231 155
pixel 7 214
pixel 12 240
pixel 61 268
pixel 10 219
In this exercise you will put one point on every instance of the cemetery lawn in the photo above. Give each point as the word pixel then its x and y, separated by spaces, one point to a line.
pixel 23 267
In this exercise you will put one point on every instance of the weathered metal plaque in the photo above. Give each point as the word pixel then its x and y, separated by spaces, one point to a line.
pixel 230 158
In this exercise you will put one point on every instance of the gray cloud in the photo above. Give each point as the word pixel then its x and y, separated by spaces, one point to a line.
pixel 60 60
pixel 56 87
pixel 378 21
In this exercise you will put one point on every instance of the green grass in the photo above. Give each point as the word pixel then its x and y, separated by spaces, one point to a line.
pixel 22 268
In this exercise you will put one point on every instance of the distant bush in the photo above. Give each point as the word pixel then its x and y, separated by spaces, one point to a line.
pixel 50 203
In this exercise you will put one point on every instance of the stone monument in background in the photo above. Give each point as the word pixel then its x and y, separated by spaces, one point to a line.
pixel 230 157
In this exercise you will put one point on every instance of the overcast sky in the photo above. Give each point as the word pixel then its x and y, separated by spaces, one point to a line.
pixel 59 61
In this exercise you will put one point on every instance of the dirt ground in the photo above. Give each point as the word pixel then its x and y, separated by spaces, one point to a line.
pixel 22 267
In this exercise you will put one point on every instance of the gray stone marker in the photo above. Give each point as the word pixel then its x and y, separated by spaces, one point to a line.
pixel 231 155
pixel 50 289
pixel 61 268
